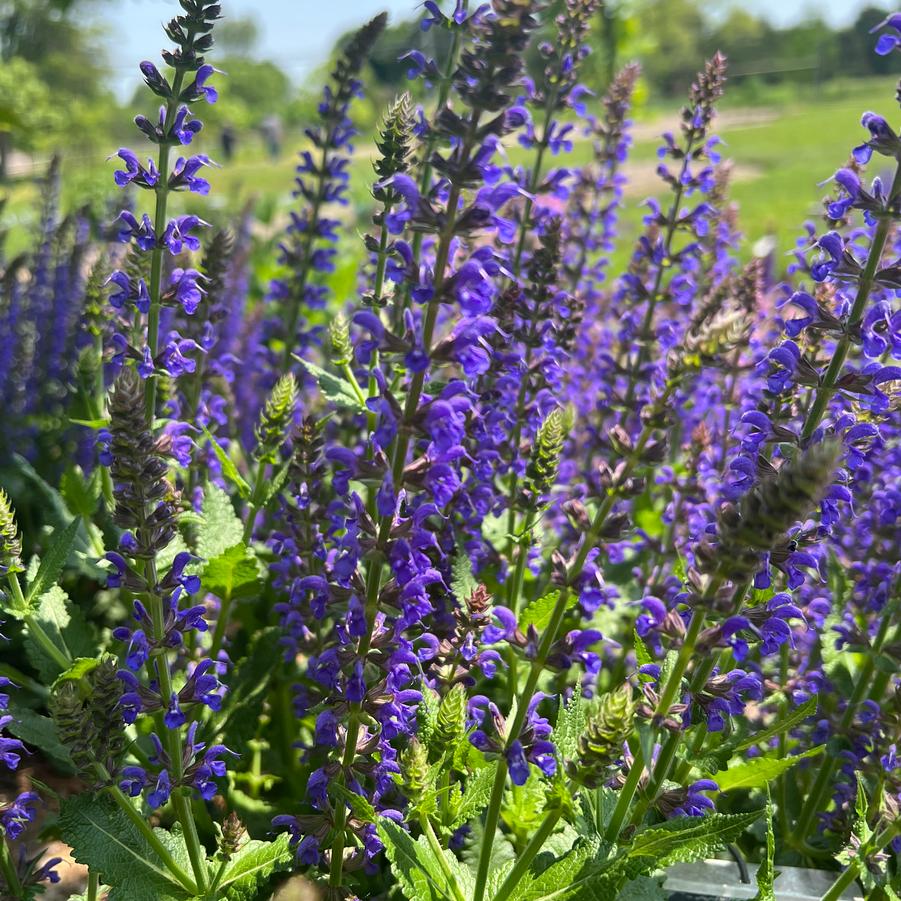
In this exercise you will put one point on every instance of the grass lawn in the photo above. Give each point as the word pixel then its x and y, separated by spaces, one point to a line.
pixel 781 153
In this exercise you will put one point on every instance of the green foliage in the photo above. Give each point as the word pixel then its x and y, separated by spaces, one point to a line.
pixel 53 561
pixel 250 870
pixel 233 573
pixel 474 798
pixel 103 838
pixel 418 871
pixel 766 873
pixel 571 721
pixel 538 613
pixel 219 528
pixel 781 724
pixel 66 627
pixel 760 771
pixel 463 582
pixel 334 389
pixel 229 470
pixel 39 731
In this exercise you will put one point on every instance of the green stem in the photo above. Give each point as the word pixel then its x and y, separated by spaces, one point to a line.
pixel 150 836
pixel 159 227
pixel 817 795
pixel 877 843
pixel 93 886
pixel 214 885
pixel 35 629
pixel 531 851
pixel 225 606
pixel 826 390
pixel 8 870
pixel 626 793
pixel 438 851
pixel 172 737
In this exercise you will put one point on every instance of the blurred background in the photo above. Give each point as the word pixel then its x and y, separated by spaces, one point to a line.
pixel 801 73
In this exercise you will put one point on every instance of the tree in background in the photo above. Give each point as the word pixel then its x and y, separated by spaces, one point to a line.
pixel 50 62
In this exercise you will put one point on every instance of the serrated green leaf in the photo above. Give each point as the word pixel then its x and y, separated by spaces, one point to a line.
pixel 79 668
pixel 475 796
pixel 249 871
pixel 276 483
pixel 463 582
pixel 759 771
pixel 690 838
pixel 595 810
pixel 644 888
pixel 648 515
pixel 220 529
pixel 359 805
pixel 782 724
pixel 81 493
pixel 335 389
pixel 414 865
pixel 572 719
pixel 62 544
pixel 568 877
pixel 39 732
pixel 642 656
pixel 233 573
pixel 248 684
pixel 538 612
pixel 103 838
pixel 766 874
pixel 66 627
pixel 229 470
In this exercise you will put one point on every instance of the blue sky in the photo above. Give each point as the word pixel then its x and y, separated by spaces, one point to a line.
pixel 298 34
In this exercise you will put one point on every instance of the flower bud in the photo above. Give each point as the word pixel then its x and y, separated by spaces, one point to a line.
pixel 276 419
pixel 608 729
pixel 545 457
pixel 10 541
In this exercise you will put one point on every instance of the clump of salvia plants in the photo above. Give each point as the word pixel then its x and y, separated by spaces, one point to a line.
pixel 515 575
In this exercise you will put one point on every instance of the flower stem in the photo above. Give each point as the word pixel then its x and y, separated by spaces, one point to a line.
pixel 172 737
pixel 159 226
pixel 150 836
pixel 877 843
pixel 35 629
pixel 438 851
pixel 531 851
pixel 8 870
pixel 626 793
pixel 826 390
pixel 817 795
pixel 93 886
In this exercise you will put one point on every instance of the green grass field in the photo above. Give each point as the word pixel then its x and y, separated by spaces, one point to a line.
pixel 781 152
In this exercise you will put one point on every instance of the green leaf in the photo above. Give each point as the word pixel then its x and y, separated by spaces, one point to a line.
pixel 334 388
pixel 475 796
pixel 248 685
pixel 234 573
pixel 567 877
pixel 648 516
pixel 538 612
pixel 642 656
pixel 644 888
pixel 39 732
pixel 595 810
pixel 572 719
pixel 783 724
pixel 766 874
pixel 79 668
pixel 415 867
pixel 66 627
pixel 276 483
pixel 759 771
pixel 249 871
pixel 53 561
pixel 220 528
pixel 463 582
pixel 229 470
pixel 103 838
pixel 359 805
pixel 689 838
pixel 81 493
